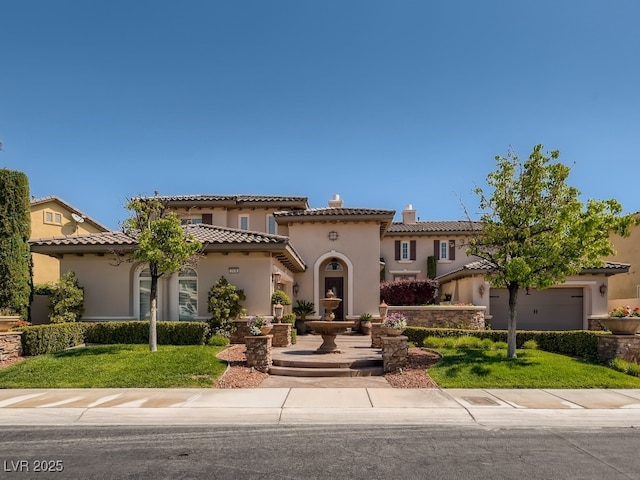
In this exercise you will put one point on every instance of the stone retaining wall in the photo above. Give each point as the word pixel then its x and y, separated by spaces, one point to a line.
pixel 443 316
pixel 10 345
pixel 281 333
pixel 626 347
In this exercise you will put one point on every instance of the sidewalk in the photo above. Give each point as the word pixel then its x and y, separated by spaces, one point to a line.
pixel 308 406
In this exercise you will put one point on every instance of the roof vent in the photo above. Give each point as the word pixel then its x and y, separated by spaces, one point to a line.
pixel 335 202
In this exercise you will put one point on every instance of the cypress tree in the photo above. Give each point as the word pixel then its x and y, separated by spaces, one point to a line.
pixel 15 230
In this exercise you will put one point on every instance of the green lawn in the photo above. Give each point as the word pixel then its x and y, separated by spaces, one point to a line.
pixel 476 368
pixel 114 366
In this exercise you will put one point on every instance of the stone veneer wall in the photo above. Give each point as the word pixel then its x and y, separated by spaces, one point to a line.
pixel 395 352
pixel 626 347
pixel 281 333
pixel 259 352
pixel 10 345
pixel 443 316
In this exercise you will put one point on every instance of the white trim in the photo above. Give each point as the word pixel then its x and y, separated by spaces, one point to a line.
pixel 316 278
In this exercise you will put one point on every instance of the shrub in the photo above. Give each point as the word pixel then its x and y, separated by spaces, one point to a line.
pixel 576 343
pixel 67 300
pixel 530 345
pixel 409 292
pixel 218 340
pixel 289 318
pixel 41 339
pixel 279 296
pixel 224 306
pixel 44 289
pixel 137 332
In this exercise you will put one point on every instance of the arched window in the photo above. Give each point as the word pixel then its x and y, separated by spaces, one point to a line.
pixel 187 294
pixel 334 266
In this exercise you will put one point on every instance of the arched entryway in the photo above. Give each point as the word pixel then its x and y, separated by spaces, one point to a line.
pixel 334 271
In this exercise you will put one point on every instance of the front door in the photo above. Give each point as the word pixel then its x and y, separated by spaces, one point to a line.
pixel 336 284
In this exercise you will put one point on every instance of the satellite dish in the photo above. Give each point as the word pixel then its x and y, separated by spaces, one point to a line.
pixel 77 218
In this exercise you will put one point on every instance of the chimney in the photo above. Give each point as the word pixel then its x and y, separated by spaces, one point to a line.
pixel 409 215
pixel 335 202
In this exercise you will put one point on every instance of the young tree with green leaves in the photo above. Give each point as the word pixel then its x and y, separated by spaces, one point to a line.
pixel 535 231
pixel 15 255
pixel 163 246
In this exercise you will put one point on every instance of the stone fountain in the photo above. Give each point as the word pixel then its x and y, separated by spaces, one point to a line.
pixel 327 327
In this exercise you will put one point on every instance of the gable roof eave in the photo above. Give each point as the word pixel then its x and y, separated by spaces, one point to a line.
pixel 71 208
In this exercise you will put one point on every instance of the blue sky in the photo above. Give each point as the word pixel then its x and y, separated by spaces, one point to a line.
pixel 384 102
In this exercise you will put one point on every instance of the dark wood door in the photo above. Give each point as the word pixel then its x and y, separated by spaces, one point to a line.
pixel 336 285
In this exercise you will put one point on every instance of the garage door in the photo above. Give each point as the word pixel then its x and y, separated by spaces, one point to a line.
pixel 550 309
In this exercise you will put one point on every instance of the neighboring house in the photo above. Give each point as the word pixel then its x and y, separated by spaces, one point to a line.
pixel 625 289
pixel 264 243
pixel 53 217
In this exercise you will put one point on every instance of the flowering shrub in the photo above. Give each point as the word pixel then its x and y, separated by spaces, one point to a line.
pixel 409 292
pixel 257 323
pixel 396 320
pixel 625 311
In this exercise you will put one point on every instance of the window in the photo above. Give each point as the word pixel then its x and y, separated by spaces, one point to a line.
pixel 272 227
pixel 144 297
pixel 404 251
pixel 243 222
pixel 444 250
pixel 187 294
pixel 52 217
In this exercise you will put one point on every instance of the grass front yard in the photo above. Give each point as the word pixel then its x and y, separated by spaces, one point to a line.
pixel 113 366
pixel 476 368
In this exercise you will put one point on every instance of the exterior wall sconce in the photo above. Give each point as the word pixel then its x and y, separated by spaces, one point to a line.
pixel 276 277
pixel 603 289
pixel 333 235
pixel 481 290
pixel 527 289
pixel 296 289
pixel 383 308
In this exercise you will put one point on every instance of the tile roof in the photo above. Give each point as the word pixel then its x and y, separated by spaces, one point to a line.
pixel 455 226
pixel 233 199
pixel 214 238
pixel 335 212
pixel 68 206
pixel 484 266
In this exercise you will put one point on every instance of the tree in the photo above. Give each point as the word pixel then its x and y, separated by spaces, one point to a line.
pixel 535 231
pixel 15 230
pixel 67 300
pixel 163 246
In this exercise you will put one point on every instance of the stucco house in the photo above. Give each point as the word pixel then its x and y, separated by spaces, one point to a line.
pixel 51 216
pixel 264 243
pixel 625 289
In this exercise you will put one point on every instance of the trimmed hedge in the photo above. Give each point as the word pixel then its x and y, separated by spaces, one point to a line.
pixel 136 332
pixel 575 343
pixel 409 292
pixel 41 339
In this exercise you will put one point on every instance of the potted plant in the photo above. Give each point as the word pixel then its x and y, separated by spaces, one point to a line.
pixel 394 324
pixel 302 309
pixel 623 321
pixel 259 325
pixel 365 323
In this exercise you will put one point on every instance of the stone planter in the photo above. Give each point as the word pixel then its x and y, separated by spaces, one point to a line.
pixel 8 321
pixel 391 332
pixel 365 327
pixel 621 325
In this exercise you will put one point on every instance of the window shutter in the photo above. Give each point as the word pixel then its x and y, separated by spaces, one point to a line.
pixel 397 249
pixel 207 218
pixel 452 249
pixel 412 250
pixel 436 249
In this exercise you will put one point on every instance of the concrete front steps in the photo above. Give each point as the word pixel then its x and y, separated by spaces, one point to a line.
pixel 327 368
pixel 355 358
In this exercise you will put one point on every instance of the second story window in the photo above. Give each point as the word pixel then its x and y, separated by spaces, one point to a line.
pixel 272 227
pixel 405 250
pixel 243 222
